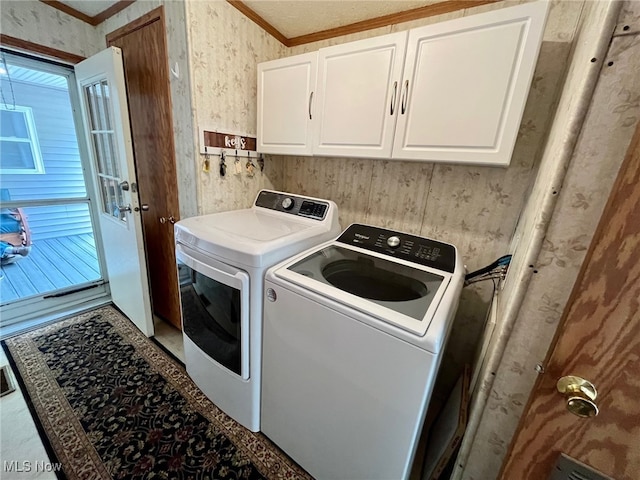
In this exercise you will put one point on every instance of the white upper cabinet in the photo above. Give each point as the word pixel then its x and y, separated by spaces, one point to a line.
pixel 285 104
pixel 450 92
pixel 465 86
pixel 358 89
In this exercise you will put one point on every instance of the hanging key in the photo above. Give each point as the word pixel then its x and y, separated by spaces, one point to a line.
pixel 250 168
pixel 223 165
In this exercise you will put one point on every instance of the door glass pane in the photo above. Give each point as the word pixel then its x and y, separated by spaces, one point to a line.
pixel 46 231
pixel 121 215
pixel 110 152
pixel 104 194
pixel 112 198
pixel 104 94
pixel 46 248
pixel 16 155
pixel 98 150
pixel 13 124
pixel 211 316
pixel 102 137
pixel 40 158
pixel 91 104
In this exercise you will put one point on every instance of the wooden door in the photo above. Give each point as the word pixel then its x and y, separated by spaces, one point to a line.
pixel 285 104
pixel 357 97
pixel 465 85
pixel 599 340
pixel 143 44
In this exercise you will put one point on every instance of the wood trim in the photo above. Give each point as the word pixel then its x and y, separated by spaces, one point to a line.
pixel 96 19
pixel 392 19
pixel 385 20
pixel 68 10
pixel 111 11
pixel 30 47
pixel 146 19
pixel 261 22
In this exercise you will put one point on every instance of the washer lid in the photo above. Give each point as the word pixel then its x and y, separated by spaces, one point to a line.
pixel 395 291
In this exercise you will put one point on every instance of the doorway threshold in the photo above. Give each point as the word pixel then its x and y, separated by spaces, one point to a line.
pixel 52 317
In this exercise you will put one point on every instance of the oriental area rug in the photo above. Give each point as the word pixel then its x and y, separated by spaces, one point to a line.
pixel 110 403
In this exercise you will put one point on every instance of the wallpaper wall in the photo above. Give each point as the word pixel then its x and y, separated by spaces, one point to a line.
pixel 224 50
pixel 602 141
pixel 39 23
pixel 180 86
pixel 475 208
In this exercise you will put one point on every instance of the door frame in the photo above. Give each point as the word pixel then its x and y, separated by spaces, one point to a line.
pixel 164 98
pixel 27 313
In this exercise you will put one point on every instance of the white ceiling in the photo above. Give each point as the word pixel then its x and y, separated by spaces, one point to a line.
pixel 89 7
pixel 298 17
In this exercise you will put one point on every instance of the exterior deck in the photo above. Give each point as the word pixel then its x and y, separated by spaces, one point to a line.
pixel 52 264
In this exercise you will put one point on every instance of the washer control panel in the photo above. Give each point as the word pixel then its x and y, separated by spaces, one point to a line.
pixel 424 251
pixel 292 204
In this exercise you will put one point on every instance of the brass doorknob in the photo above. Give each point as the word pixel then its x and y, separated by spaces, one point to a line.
pixel 580 395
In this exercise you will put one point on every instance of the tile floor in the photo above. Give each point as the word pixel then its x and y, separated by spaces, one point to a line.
pixel 22 454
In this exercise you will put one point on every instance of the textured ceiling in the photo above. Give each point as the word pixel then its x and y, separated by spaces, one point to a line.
pixel 293 18
pixel 300 17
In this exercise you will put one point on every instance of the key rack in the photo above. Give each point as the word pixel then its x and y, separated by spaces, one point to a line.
pixel 233 145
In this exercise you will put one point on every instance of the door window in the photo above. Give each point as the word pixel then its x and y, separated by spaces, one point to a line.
pixel 103 143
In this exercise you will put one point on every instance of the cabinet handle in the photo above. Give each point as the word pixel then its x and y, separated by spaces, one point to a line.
pixel 393 98
pixel 310 101
pixel 405 94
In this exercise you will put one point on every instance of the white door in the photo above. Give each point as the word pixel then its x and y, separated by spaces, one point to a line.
pixel 105 116
pixel 358 90
pixel 465 86
pixel 285 104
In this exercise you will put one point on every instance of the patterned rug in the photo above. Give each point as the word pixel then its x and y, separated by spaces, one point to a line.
pixel 112 404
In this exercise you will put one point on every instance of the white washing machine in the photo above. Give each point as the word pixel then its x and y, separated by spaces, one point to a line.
pixel 354 332
pixel 222 259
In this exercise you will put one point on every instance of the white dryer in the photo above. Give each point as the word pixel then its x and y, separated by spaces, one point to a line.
pixel 222 259
pixel 354 332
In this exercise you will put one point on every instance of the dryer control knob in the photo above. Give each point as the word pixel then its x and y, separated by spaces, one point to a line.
pixel 393 242
pixel 287 203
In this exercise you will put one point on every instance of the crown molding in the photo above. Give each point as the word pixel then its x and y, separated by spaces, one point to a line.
pixel 96 19
pixel 383 21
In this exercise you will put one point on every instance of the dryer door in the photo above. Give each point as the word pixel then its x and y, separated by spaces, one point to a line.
pixel 215 309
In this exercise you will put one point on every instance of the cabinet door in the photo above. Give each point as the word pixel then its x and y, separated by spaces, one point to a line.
pixel 465 86
pixel 358 87
pixel 285 94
